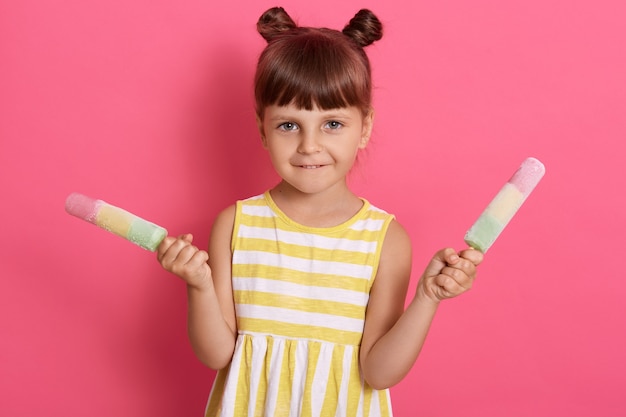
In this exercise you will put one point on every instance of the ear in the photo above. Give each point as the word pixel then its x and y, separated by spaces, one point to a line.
pixel 259 125
pixel 368 125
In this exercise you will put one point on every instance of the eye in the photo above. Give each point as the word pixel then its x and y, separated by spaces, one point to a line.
pixel 333 125
pixel 288 126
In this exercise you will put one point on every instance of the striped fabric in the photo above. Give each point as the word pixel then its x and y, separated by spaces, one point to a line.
pixel 300 296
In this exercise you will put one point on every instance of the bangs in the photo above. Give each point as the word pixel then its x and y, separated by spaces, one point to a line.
pixel 312 71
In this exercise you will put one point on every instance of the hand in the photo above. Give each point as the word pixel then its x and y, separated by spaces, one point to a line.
pixel 180 257
pixel 449 274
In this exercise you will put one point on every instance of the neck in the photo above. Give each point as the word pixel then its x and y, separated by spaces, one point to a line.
pixel 325 209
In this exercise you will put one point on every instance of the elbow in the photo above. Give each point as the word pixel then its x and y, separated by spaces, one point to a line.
pixel 215 363
pixel 379 384
pixel 213 353
pixel 382 376
pixel 379 387
pixel 215 359
pixel 382 380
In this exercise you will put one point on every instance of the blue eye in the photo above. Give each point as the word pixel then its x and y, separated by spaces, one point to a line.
pixel 333 124
pixel 288 126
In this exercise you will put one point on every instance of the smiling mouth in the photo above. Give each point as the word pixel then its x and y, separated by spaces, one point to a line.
pixel 311 166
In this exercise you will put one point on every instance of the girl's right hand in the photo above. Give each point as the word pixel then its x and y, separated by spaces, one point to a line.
pixel 179 256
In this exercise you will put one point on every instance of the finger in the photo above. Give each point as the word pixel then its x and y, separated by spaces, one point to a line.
pixel 439 260
pixel 164 246
pixel 173 253
pixel 460 276
pixel 187 237
pixel 199 257
pixel 454 278
pixel 185 254
pixel 450 256
pixel 472 255
pixel 191 263
pixel 190 256
pixel 446 255
pixel 448 285
pixel 465 266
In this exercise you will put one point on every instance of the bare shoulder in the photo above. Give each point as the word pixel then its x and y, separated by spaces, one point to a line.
pixel 396 246
pixel 394 268
pixel 223 223
pixel 220 241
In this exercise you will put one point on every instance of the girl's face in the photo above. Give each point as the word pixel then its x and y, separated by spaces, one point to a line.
pixel 313 150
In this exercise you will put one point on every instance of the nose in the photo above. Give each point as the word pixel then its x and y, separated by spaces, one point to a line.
pixel 310 143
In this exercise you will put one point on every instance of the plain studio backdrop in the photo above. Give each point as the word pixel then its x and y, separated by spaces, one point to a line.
pixel 148 106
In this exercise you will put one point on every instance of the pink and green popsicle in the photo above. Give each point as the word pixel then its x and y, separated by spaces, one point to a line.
pixel 116 220
pixel 503 207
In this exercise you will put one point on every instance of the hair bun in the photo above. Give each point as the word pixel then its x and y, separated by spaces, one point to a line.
pixel 274 22
pixel 364 28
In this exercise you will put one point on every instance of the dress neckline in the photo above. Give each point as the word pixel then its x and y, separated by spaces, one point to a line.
pixel 341 226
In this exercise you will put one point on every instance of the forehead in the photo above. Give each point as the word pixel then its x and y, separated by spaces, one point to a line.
pixel 292 111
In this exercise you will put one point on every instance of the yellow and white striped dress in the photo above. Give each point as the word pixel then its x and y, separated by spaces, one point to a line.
pixel 300 297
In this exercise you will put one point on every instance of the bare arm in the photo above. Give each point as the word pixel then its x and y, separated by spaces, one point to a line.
pixel 393 337
pixel 211 312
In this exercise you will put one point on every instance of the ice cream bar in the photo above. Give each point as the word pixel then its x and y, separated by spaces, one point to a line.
pixel 503 207
pixel 115 220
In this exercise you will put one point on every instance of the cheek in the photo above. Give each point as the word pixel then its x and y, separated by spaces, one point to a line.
pixel 278 152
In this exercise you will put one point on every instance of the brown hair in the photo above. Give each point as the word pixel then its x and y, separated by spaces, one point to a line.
pixel 315 66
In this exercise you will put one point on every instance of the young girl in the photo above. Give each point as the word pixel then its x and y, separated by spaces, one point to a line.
pixel 299 302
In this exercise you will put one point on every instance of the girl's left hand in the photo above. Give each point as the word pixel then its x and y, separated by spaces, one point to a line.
pixel 449 274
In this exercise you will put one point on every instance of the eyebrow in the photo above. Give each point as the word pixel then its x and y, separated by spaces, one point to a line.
pixel 336 114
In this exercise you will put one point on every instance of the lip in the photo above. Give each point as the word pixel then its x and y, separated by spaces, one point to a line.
pixel 309 165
